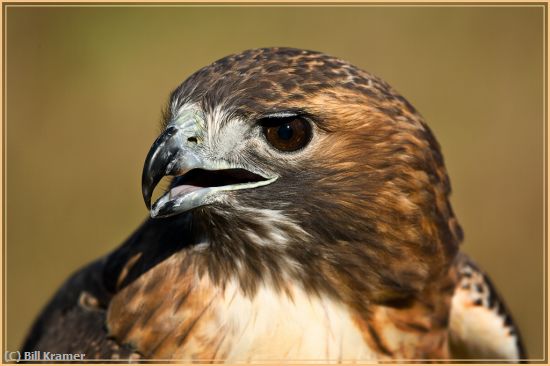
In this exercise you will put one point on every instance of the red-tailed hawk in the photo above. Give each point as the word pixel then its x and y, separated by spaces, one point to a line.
pixel 309 219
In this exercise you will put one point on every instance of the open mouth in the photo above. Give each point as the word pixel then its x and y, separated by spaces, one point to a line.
pixel 198 186
pixel 196 179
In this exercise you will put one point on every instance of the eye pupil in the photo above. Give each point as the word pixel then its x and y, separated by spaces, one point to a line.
pixel 285 132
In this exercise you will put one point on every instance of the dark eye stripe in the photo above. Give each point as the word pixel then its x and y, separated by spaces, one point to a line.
pixel 288 133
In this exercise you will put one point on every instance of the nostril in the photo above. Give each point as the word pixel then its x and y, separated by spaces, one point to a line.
pixel 192 139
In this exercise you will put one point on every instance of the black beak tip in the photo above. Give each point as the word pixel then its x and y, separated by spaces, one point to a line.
pixel 148 184
pixel 161 154
pixel 146 191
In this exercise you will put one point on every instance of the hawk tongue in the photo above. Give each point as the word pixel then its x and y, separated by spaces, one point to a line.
pixel 182 190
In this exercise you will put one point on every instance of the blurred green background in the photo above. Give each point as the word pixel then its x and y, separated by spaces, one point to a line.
pixel 85 87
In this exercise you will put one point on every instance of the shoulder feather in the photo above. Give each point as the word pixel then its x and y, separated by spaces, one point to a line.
pixel 481 327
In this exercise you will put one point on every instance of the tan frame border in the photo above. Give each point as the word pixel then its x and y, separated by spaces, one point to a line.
pixel 316 3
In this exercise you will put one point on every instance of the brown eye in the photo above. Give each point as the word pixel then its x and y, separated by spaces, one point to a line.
pixel 287 134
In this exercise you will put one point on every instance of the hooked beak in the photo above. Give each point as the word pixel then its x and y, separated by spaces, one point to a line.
pixel 198 180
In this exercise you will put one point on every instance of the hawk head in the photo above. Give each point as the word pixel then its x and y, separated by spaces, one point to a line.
pixel 294 166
